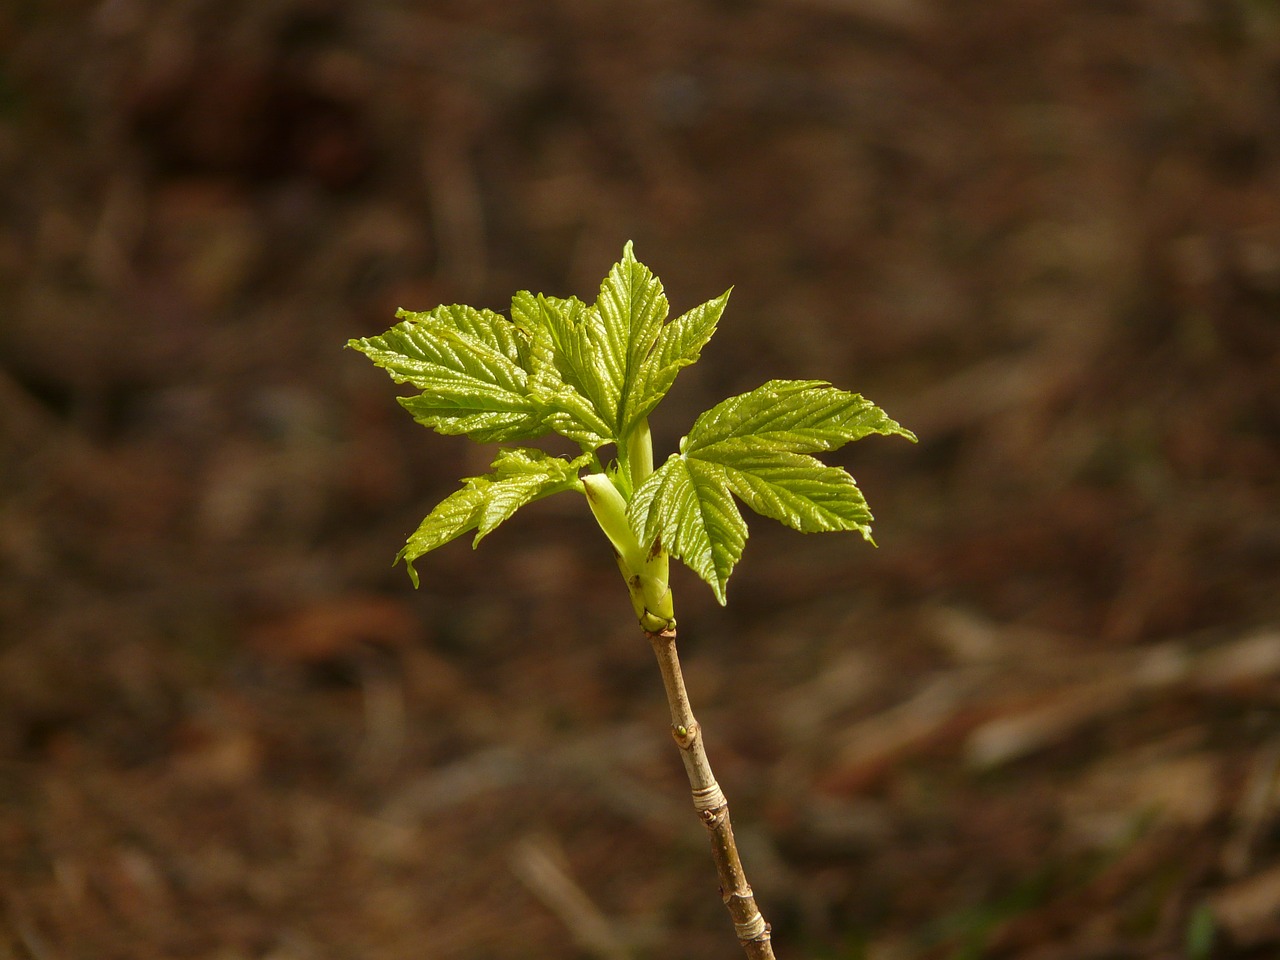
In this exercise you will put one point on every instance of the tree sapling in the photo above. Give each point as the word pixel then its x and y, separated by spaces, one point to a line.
pixel 593 373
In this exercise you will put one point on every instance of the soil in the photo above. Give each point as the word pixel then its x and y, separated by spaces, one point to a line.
pixel 1040 722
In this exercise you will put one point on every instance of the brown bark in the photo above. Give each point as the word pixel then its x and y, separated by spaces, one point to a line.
pixel 710 802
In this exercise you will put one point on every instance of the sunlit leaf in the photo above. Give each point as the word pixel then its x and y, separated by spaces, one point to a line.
pixel 802 416
pixel 567 378
pixel 755 446
pixel 686 507
pixel 678 344
pixel 593 372
pixel 471 367
pixel 632 309
pixel 797 490
pixel 519 476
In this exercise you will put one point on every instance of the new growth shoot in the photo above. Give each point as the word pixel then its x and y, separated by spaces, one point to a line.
pixel 594 373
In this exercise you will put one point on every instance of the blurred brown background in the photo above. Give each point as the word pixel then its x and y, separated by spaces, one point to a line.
pixel 1039 722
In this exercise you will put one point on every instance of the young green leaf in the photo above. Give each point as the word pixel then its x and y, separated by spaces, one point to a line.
pixel 587 359
pixel 801 416
pixel 687 507
pixel 678 344
pixel 799 491
pixel 519 476
pixel 567 378
pixel 633 308
pixel 593 373
pixel 471 366
pixel 600 369
pixel 756 446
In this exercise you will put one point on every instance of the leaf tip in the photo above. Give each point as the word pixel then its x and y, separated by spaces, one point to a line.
pixel 408 566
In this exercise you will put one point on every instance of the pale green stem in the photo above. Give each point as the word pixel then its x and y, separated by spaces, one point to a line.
pixel 610 511
pixel 645 572
pixel 640 454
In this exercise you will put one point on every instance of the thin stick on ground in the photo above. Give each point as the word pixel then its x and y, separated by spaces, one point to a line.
pixel 709 800
pixel 537 862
